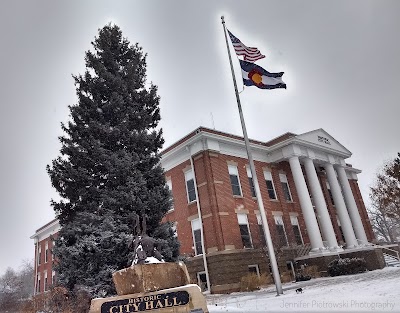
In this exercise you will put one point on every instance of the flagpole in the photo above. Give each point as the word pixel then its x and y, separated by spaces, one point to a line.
pixel 267 234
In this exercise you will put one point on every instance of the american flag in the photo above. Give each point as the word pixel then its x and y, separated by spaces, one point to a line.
pixel 249 54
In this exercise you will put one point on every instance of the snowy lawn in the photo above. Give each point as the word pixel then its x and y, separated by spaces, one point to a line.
pixel 375 291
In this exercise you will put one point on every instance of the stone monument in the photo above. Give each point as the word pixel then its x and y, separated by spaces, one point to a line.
pixel 149 284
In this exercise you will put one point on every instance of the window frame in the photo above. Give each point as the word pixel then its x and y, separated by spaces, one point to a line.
pixel 196 226
pixel 284 182
pixel 272 183
pixel 251 183
pixel 38 283
pixel 169 184
pixel 278 219
pixel 189 176
pixel 53 278
pixel 294 221
pixel 256 267
pixel 45 287
pixel 328 187
pixel 201 283
pixel 233 171
pixel 243 221
pixel 261 229
pixel 39 256
pixel 46 252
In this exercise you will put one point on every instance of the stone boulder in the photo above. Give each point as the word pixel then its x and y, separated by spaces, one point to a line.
pixel 150 277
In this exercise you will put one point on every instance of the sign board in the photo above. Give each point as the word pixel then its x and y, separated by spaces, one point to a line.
pixel 146 302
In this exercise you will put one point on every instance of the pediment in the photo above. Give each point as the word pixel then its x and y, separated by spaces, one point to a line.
pixel 321 138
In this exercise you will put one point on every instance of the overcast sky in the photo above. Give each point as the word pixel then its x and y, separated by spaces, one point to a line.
pixel 340 58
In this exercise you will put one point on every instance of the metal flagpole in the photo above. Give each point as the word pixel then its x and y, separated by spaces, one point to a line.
pixel 267 234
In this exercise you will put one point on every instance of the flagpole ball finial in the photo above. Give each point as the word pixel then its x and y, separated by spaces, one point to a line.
pixel 222 18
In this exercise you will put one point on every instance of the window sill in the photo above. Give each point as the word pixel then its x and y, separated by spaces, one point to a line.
pixel 239 197
pixel 274 200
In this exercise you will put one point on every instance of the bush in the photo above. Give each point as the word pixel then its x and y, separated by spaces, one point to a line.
pixel 252 282
pixel 312 271
pixel 347 266
pixel 301 277
pixel 58 300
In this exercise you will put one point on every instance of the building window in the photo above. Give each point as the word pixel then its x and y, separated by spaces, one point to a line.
pixel 190 187
pixel 53 244
pixel 39 254
pixel 340 228
pixel 197 240
pixel 53 278
pixel 296 230
pixel 261 229
pixel 330 193
pixel 202 281
pixel 285 187
pixel 254 269
pixel 244 230
pixel 46 252
pixel 251 182
pixel 169 184
pixel 235 182
pixel 270 185
pixel 38 283
pixel 45 281
pixel 173 227
pixel 280 229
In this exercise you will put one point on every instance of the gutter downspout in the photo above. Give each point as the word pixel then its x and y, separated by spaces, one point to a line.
pixel 201 222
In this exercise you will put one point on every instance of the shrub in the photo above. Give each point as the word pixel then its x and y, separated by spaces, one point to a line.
pixel 252 282
pixel 301 277
pixel 347 266
pixel 312 271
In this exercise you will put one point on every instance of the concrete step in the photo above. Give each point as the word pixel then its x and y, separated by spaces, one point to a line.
pixel 391 260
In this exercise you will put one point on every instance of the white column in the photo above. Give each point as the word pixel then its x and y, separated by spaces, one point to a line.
pixel 319 201
pixel 306 205
pixel 352 206
pixel 341 209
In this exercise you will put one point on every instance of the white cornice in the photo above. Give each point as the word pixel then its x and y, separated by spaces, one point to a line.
pixel 202 140
pixel 222 143
pixel 46 231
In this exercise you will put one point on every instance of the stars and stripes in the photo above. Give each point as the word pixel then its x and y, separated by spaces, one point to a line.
pixel 249 54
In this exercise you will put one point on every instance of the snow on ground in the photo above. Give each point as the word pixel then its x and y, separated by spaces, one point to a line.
pixel 375 291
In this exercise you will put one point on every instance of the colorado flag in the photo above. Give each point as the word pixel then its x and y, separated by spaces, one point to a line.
pixel 254 75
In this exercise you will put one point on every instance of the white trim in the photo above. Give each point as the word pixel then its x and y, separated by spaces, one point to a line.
pixel 199 281
pixel 243 220
pixel 196 225
pixel 189 175
pixel 279 221
pixel 169 184
pixel 45 232
pixel 283 179
pixel 295 222
pixel 233 170
pixel 268 176
pixel 257 268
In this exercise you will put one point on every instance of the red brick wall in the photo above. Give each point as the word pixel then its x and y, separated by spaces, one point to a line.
pixel 216 199
pixel 43 266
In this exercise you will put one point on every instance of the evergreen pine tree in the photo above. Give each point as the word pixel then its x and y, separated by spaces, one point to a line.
pixel 109 167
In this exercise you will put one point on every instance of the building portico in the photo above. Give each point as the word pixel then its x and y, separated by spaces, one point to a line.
pixel 317 149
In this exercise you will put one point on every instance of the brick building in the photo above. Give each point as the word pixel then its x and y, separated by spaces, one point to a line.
pixel 43 238
pixel 312 200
